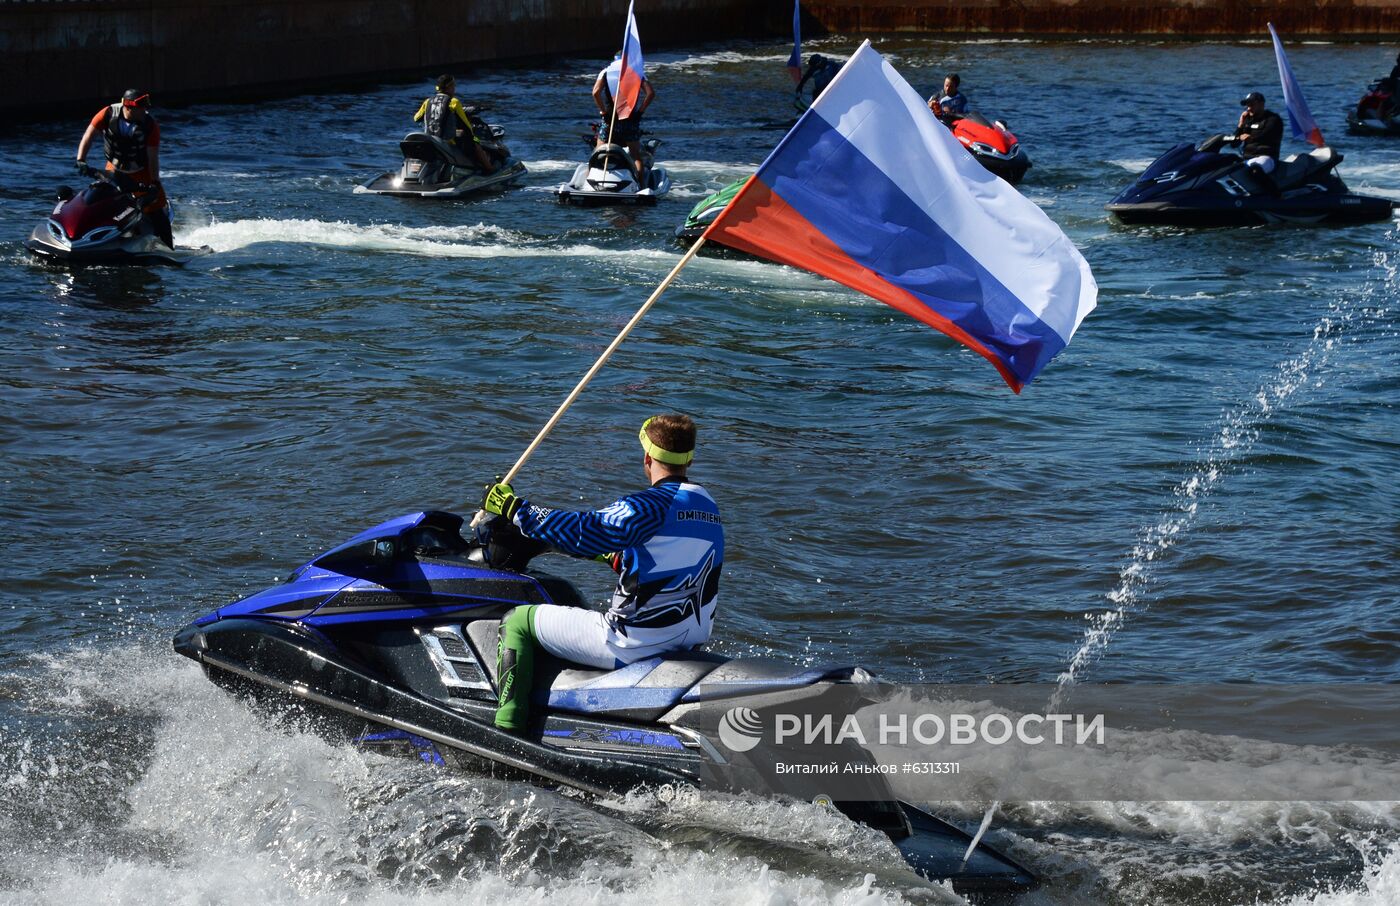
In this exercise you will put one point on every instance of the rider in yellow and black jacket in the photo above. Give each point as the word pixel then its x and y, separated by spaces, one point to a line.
pixel 437 112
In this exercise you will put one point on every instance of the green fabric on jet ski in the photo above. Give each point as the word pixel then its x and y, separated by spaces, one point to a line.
pixel 515 668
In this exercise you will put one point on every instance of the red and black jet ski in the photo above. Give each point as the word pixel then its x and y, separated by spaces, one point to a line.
pixel 994 145
pixel 1377 113
pixel 103 224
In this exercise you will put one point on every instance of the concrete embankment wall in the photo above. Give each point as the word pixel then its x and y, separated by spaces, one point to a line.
pixel 62 55
pixel 1347 20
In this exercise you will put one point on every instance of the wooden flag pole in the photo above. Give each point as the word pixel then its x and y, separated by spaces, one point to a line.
pixel 612 122
pixel 597 366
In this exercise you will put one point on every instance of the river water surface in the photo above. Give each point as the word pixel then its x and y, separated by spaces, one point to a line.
pixel 1200 489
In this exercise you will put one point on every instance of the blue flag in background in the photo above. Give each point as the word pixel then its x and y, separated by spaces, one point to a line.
pixel 794 62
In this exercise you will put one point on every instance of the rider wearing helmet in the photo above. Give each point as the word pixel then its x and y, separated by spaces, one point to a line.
pixel 438 111
pixel 666 544
pixel 131 144
pixel 821 71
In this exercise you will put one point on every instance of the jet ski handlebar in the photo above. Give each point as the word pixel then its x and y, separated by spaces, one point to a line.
pixel 1216 142
pixel 114 177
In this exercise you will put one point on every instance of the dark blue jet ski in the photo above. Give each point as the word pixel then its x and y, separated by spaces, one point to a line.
pixel 390 639
pixel 1206 185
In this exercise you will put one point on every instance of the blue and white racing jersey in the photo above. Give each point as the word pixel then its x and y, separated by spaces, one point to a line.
pixel 666 542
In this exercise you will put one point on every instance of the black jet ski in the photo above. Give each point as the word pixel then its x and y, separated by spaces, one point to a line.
pixel 609 178
pixel 432 168
pixel 390 640
pixel 103 224
pixel 1207 185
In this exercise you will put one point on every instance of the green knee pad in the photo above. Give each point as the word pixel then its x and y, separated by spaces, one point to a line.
pixel 515 668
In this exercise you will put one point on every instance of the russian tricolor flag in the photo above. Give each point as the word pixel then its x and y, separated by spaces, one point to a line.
pixel 872 191
pixel 628 71
pixel 1300 118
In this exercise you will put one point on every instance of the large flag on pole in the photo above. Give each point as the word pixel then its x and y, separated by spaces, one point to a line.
pixel 628 70
pixel 794 63
pixel 872 191
pixel 1299 117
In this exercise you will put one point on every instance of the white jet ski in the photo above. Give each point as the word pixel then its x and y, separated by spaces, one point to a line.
pixel 609 178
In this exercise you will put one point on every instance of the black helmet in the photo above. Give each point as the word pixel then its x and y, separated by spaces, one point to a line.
pixel 1251 98
pixel 135 98
pixel 443 81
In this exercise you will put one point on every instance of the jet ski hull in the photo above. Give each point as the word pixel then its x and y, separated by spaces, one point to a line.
pixel 389 641
pixel 141 250
pixel 286 665
pixel 1358 125
pixel 1332 211
pixel 579 191
pixel 1010 168
pixel 464 182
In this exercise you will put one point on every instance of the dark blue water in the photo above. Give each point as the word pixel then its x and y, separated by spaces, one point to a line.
pixel 1201 488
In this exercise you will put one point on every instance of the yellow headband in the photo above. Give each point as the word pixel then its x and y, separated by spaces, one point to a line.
pixel 661 455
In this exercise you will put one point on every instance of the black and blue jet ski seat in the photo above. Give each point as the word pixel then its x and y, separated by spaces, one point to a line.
pixel 646 689
pixel 422 146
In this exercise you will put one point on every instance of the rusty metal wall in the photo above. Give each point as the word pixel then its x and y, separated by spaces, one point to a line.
pixel 62 55
pixel 1182 19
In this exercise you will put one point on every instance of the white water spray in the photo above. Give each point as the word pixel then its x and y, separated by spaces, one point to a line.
pixel 1238 432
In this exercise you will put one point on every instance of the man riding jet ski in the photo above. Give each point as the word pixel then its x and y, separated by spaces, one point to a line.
pixel 1204 185
pixel 123 216
pixel 994 146
pixel 665 543
pixel 457 153
pixel 105 224
pixel 620 168
pixel 820 72
pixel 409 636
pixel 131 144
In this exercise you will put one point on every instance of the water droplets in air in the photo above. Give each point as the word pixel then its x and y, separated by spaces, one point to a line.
pixel 1348 318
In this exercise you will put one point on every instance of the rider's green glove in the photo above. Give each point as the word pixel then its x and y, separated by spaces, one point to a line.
pixel 500 499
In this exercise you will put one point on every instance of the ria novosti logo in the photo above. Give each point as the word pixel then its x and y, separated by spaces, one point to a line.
pixel 740 729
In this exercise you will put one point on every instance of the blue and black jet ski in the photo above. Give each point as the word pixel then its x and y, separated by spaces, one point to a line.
pixel 1208 185
pixel 390 640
